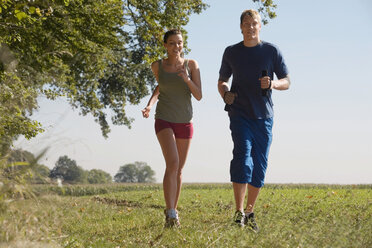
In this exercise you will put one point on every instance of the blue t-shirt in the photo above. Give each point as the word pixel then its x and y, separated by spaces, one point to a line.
pixel 246 65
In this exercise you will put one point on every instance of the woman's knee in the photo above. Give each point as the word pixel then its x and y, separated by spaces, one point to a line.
pixel 179 172
pixel 172 167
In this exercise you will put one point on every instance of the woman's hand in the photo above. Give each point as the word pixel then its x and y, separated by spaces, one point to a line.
pixel 146 112
pixel 182 72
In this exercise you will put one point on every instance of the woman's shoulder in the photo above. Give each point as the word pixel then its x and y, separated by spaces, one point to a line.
pixel 192 63
pixel 155 65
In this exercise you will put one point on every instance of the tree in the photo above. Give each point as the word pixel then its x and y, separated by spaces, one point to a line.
pixel 95 53
pixel 68 170
pixel 20 155
pixel 127 174
pixel 17 100
pixel 96 176
pixel 145 174
pixel 24 160
pixel 266 8
pixel 139 172
pixel 40 174
pixel 18 84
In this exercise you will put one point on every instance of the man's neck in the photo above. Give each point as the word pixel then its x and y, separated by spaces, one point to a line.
pixel 251 42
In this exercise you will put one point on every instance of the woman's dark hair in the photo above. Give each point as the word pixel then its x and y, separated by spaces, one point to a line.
pixel 171 32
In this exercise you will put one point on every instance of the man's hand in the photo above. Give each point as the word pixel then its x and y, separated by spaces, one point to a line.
pixel 266 83
pixel 229 97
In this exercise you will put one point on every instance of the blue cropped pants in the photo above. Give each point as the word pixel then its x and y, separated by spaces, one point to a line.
pixel 252 139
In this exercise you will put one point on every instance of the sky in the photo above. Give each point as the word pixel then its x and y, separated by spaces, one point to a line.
pixel 322 126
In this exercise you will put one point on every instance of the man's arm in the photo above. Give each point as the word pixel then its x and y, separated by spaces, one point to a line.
pixel 227 96
pixel 222 87
pixel 281 84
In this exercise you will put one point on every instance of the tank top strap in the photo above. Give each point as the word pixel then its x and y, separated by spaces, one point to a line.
pixel 186 64
pixel 160 62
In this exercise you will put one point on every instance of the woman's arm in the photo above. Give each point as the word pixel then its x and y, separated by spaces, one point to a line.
pixel 194 83
pixel 153 99
pixel 155 94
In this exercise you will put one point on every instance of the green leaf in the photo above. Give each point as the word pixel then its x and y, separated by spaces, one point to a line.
pixel 21 15
pixel 32 10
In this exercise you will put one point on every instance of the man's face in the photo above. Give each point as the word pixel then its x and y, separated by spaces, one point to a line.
pixel 250 28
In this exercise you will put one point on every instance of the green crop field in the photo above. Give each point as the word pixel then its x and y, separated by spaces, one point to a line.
pixel 132 216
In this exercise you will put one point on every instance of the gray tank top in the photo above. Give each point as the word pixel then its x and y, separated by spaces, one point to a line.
pixel 174 101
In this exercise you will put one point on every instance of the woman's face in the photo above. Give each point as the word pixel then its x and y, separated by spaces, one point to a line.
pixel 174 45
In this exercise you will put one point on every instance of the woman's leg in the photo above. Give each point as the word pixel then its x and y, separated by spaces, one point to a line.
pixel 169 148
pixel 183 146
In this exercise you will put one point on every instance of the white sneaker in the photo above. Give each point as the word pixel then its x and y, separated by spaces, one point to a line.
pixel 171 218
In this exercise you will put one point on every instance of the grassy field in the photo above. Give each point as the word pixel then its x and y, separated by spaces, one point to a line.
pixel 132 216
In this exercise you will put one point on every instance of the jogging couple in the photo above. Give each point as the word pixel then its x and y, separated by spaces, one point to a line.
pixel 252 63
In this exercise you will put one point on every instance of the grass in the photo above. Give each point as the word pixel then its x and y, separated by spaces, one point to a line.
pixel 132 216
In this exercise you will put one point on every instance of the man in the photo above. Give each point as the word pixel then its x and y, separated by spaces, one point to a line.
pixel 252 63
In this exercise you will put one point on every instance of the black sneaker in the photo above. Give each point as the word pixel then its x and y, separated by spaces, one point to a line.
pixel 251 222
pixel 239 218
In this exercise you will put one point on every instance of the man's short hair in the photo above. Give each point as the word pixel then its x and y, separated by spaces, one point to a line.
pixel 250 12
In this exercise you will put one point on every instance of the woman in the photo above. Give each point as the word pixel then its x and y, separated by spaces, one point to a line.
pixel 178 79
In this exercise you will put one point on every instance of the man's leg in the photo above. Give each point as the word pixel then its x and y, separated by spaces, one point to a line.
pixel 260 152
pixel 252 197
pixel 249 217
pixel 239 194
pixel 241 164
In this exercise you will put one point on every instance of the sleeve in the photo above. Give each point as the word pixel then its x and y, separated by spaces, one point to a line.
pixel 280 68
pixel 225 70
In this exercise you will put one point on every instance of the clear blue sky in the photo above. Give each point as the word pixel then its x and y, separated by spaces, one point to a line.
pixel 322 126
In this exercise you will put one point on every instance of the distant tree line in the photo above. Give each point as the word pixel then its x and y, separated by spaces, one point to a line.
pixel 70 172
pixel 139 172
pixel 67 170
